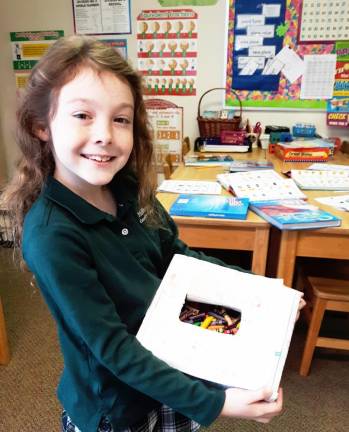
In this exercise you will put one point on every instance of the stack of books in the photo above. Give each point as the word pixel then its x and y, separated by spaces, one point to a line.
pixel 228 141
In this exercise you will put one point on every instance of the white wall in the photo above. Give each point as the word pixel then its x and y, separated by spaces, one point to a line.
pixel 19 15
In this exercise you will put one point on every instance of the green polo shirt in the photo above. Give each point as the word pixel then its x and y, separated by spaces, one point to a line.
pixel 98 275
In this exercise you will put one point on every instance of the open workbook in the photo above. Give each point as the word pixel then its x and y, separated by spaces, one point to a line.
pixel 251 357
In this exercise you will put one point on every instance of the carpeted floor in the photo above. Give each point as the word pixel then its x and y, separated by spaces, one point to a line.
pixel 318 403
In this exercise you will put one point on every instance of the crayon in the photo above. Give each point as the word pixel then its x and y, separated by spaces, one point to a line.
pixel 207 321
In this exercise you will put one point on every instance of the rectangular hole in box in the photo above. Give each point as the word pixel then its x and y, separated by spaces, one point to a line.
pixel 220 319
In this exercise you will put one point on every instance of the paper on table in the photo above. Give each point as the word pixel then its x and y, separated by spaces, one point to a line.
pixel 340 202
pixel 251 359
pixel 260 185
pixel 190 187
pixel 327 167
pixel 318 77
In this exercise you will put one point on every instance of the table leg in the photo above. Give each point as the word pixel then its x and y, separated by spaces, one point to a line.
pixel 287 256
pixel 4 349
pixel 260 251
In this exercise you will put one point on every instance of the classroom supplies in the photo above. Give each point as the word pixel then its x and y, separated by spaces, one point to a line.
pixel 303 130
pixel 212 127
pixel 233 137
pixel 294 214
pixel 211 206
pixel 306 150
pixel 321 179
pixel 207 160
pixel 260 185
pixel 211 317
pixel 249 165
pixel 190 187
pixel 252 358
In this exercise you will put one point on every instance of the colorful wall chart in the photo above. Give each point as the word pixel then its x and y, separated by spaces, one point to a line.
pixel 324 20
pixel 256 40
pixel 167 51
pixel 338 107
pixel 166 119
pixel 287 95
pixel 27 48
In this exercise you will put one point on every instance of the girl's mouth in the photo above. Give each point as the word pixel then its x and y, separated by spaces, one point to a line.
pixel 98 158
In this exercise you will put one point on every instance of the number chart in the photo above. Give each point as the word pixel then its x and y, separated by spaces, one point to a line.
pixel 324 20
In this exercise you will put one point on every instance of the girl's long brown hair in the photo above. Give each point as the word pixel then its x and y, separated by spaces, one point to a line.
pixel 58 66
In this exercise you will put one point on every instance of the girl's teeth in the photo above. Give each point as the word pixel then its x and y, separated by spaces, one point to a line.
pixel 99 158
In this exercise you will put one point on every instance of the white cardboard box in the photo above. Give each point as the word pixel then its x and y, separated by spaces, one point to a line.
pixel 252 358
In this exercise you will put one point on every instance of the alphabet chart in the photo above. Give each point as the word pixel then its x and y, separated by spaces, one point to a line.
pixel 324 20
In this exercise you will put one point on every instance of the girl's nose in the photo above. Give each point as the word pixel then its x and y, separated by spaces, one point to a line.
pixel 102 133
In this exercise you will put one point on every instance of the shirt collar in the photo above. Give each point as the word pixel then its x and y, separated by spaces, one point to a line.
pixel 123 186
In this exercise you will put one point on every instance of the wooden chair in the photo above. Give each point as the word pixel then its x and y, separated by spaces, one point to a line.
pixel 168 166
pixel 323 294
pixel 6 240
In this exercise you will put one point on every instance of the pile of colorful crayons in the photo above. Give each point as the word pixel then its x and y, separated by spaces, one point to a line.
pixel 210 317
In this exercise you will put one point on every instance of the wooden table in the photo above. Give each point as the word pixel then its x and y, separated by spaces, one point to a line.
pixel 251 234
pixel 316 243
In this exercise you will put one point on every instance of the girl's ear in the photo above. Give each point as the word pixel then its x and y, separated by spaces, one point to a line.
pixel 42 134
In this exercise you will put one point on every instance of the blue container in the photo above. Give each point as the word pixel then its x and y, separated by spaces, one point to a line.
pixel 303 130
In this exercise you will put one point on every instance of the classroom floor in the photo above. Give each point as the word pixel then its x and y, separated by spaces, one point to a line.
pixel 318 403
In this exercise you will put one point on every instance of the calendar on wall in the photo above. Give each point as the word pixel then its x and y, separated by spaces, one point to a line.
pixel 324 21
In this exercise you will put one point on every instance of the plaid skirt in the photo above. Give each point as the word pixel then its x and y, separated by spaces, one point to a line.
pixel 163 419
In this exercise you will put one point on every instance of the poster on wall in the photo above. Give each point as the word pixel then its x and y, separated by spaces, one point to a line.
pixel 324 20
pixel 166 121
pixel 119 45
pixel 256 42
pixel 338 106
pixel 102 16
pixel 172 3
pixel 290 63
pixel 27 48
pixel 167 51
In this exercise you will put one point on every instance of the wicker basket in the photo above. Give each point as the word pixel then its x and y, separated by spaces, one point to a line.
pixel 210 128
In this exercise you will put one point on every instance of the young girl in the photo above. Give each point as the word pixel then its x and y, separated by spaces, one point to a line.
pixel 98 243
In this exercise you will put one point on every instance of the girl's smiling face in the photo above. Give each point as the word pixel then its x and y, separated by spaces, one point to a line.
pixel 91 130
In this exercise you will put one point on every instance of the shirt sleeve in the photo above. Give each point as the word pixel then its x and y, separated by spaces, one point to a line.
pixel 61 260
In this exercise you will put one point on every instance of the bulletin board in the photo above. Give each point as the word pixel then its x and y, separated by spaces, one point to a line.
pixel 287 30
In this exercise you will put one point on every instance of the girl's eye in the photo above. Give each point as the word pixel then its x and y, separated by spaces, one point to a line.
pixel 81 116
pixel 122 120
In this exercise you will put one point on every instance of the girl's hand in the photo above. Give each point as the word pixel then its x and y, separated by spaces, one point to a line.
pixel 251 404
pixel 301 305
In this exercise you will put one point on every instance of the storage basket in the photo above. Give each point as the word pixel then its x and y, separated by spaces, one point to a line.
pixel 210 128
